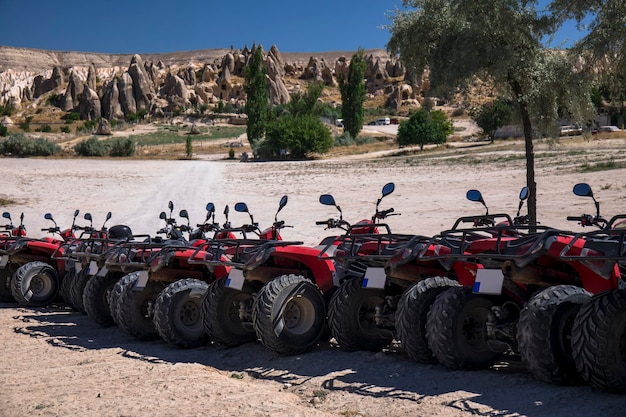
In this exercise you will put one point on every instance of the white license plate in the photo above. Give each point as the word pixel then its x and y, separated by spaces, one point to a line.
pixel 141 282
pixel 4 259
pixel 102 272
pixel 374 278
pixel 488 281
pixel 93 268
pixel 235 279
pixel 78 266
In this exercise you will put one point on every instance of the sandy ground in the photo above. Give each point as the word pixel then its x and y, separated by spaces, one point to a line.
pixel 56 362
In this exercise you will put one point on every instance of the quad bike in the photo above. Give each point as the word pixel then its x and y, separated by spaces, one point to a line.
pixel 420 268
pixel 599 329
pixel 276 290
pixel 522 298
pixel 162 295
pixel 37 276
pixel 8 237
pixel 362 310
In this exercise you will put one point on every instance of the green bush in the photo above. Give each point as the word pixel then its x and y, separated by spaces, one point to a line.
pixel 6 111
pixel 45 128
pixel 122 147
pixel 344 140
pixel 19 145
pixel 65 129
pixel 4 130
pixel 297 136
pixel 364 140
pixel 71 117
pixel 91 147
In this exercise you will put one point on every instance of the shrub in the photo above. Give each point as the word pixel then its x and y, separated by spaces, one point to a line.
pixel 43 147
pixel 71 117
pixel 4 130
pixel 364 140
pixel 231 153
pixel 90 147
pixel 344 140
pixel 19 145
pixel 45 128
pixel 298 136
pixel 65 129
pixel 424 127
pixel 6 111
pixel 122 147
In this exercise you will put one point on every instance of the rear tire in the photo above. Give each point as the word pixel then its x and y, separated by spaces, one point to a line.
pixel 220 314
pixel 66 283
pixel 177 313
pixel 116 292
pixel 412 316
pixel 77 288
pixel 351 317
pixel 289 315
pixel 455 329
pixel 5 286
pixel 96 298
pixel 35 284
pixel 136 309
pixel 544 334
pixel 599 341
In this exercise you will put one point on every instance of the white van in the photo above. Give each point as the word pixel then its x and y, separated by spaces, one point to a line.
pixel 383 121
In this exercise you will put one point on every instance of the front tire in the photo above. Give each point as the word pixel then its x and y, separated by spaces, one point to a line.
pixel 35 284
pixel 289 315
pixel 116 292
pixel 177 313
pixel 544 333
pixel 455 329
pixel 77 288
pixel 412 316
pixel 5 286
pixel 599 341
pixel 351 317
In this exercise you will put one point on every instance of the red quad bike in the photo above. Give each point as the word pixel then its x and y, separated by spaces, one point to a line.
pixel 599 331
pixel 362 310
pixel 420 268
pixel 8 237
pixel 275 291
pixel 523 298
pixel 163 296
pixel 37 279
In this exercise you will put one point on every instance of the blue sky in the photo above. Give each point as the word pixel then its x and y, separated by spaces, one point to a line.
pixel 115 26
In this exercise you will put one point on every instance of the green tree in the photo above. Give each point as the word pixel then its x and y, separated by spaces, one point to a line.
pixel 500 41
pixel 298 136
pixel 307 102
pixel 424 127
pixel 492 116
pixel 353 94
pixel 257 103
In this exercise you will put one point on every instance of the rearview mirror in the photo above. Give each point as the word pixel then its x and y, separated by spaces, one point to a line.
pixel 388 189
pixel 241 207
pixel 523 194
pixel 475 195
pixel 327 200
pixel 583 190
pixel 184 214
pixel 6 215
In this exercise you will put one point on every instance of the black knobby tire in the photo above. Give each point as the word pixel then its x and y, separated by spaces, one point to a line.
pixel 35 284
pixel 66 283
pixel 544 333
pixel 96 298
pixel 135 310
pixel 455 329
pixel 289 315
pixel 220 314
pixel 76 290
pixel 177 313
pixel 116 292
pixel 351 317
pixel 412 316
pixel 599 341
pixel 5 286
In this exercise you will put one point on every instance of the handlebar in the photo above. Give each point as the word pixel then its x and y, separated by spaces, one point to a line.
pixel 589 220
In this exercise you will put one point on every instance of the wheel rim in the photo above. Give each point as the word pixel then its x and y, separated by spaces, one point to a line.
pixel 40 284
pixel 473 328
pixel 234 310
pixel 189 313
pixel 367 314
pixel 564 331
pixel 299 315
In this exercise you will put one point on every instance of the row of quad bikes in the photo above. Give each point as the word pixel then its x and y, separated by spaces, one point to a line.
pixel 489 287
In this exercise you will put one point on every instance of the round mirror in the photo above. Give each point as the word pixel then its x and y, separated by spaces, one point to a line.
pixel 523 194
pixel 388 188
pixel 241 207
pixel 210 207
pixel 163 216
pixel 47 216
pixel 6 215
pixel 327 200
pixel 87 216
pixel 582 189
pixel 184 214
pixel 76 212
pixel 474 195
pixel 108 217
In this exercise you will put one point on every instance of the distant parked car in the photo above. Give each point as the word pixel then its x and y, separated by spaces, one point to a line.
pixel 606 129
pixel 570 130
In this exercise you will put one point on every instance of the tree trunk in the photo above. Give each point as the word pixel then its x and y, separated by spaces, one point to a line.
pixel 530 154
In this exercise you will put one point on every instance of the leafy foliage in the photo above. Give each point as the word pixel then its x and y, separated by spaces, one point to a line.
pixel 4 131
pixel 257 104
pixel 353 94
pixel 19 145
pixel 6 111
pixel 298 136
pixel 121 147
pixel 91 147
pixel 307 102
pixel 424 127
pixel 492 116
